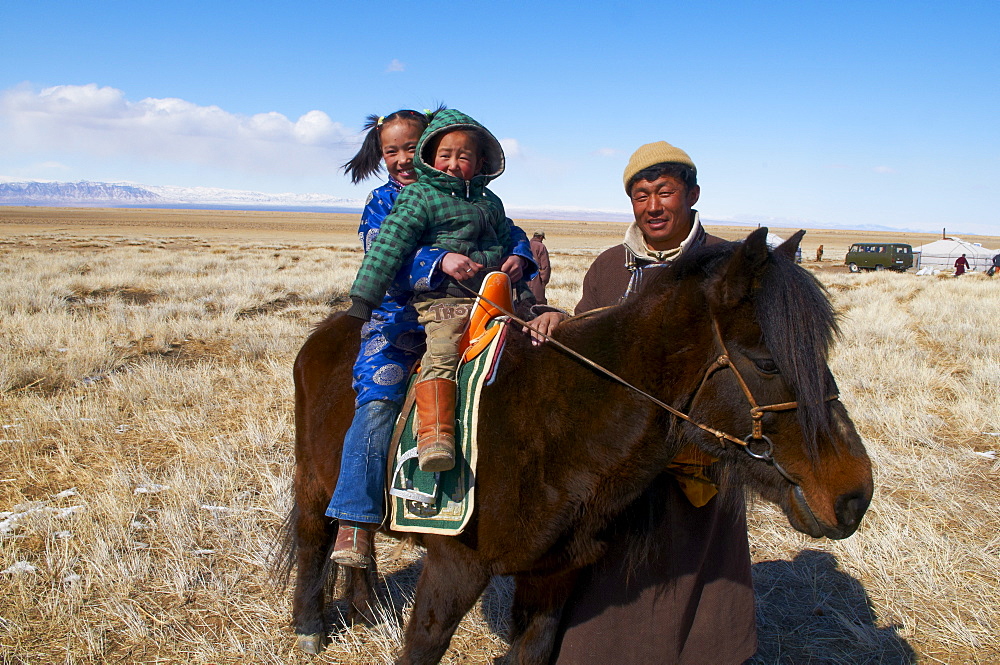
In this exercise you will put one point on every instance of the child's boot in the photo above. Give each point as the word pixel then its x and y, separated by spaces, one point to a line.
pixel 353 546
pixel 435 424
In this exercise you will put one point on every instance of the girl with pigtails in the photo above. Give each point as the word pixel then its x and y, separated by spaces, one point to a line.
pixel 391 341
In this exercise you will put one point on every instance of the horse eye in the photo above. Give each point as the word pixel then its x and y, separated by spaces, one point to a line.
pixel 766 365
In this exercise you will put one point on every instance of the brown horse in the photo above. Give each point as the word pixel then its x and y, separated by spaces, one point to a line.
pixel 560 459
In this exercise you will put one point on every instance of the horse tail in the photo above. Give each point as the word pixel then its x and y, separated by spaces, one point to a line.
pixel 282 559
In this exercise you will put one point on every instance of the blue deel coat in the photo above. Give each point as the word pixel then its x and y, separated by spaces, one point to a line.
pixel 392 341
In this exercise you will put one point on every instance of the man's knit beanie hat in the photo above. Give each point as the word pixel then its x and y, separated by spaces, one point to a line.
pixel 652 154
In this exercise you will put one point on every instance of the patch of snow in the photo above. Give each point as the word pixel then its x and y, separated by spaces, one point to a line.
pixel 19 568
pixel 66 512
pixel 151 488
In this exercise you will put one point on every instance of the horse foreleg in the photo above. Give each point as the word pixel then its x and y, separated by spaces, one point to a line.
pixel 448 587
pixel 313 535
pixel 535 613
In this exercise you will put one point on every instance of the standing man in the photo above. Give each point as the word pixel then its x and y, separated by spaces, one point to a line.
pixel 819 253
pixel 674 585
pixel 961 265
pixel 541 254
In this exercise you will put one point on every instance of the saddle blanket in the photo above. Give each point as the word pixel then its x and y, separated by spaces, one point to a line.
pixel 441 503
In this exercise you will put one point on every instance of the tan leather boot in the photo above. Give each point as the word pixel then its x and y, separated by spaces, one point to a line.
pixel 354 546
pixel 435 424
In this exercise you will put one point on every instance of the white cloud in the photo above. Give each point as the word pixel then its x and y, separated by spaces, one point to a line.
pixel 102 122
pixel 395 66
pixel 607 152
pixel 511 147
pixel 884 169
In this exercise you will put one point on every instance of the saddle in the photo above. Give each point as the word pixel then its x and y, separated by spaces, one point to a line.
pixel 496 290
pixel 442 503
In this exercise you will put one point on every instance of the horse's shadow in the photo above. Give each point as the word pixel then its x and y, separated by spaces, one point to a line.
pixel 392 592
pixel 809 611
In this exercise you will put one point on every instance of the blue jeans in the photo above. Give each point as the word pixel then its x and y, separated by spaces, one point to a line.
pixel 360 493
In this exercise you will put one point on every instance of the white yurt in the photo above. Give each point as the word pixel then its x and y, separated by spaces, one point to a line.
pixel 773 240
pixel 941 254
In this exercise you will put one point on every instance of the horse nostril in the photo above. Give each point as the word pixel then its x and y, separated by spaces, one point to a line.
pixel 851 508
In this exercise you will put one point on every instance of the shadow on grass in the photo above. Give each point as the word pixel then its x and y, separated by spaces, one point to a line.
pixel 809 611
pixel 392 593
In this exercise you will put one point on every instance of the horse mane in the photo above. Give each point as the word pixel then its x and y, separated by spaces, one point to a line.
pixel 797 321
pixel 798 325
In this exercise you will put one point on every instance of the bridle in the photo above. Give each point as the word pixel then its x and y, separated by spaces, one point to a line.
pixel 757 412
pixel 723 361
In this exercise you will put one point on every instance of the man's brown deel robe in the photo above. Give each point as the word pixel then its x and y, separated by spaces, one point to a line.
pixel 690 598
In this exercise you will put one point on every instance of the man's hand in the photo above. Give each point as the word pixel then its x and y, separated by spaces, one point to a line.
pixel 546 323
pixel 459 266
pixel 513 265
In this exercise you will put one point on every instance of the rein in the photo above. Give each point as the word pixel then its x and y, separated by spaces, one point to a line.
pixel 721 362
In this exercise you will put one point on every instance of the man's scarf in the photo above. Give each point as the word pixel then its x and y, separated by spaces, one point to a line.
pixel 636 243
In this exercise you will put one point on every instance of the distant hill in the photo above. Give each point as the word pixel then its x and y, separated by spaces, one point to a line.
pixel 74 193
pixel 123 194
pixel 132 195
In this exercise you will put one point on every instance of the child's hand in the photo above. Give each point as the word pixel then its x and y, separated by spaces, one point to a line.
pixel 459 266
pixel 513 265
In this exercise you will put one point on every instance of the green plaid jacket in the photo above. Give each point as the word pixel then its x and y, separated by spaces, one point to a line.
pixel 439 210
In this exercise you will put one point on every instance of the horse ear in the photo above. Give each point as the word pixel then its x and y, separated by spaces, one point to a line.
pixel 787 248
pixel 742 274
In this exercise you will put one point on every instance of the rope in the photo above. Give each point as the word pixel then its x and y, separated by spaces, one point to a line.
pixel 590 363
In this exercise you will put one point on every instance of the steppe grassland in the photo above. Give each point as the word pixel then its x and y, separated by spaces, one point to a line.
pixel 146 461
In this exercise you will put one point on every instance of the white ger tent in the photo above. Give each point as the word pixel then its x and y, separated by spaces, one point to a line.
pixel 941 254
pixel 773 240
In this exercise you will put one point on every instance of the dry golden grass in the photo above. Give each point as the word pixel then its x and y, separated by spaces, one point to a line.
pixel 145 406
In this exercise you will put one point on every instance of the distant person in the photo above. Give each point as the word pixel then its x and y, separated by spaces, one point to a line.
pixel 541 280
pixel 961 265
pixel 996 264
pixel 819 253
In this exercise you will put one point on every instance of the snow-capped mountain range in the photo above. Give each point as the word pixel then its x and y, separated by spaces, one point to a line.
pixel 85 193
pixel 132 195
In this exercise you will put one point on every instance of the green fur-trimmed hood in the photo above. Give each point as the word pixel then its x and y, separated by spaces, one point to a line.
pixel 446 121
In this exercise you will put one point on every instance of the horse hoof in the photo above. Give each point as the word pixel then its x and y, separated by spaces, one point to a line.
pixel 310 644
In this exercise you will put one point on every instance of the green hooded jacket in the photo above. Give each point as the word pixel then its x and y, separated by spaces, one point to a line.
pixel 439 210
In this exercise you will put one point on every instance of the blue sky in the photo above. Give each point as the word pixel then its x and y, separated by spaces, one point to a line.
pixel 847 113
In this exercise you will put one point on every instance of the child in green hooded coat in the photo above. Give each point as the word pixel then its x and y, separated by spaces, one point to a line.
pixel 449 207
